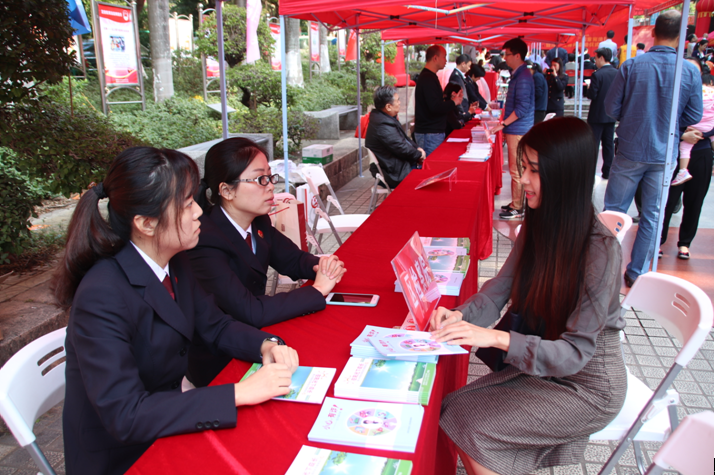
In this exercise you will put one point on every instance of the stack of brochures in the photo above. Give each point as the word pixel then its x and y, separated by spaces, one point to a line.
pixel 449 260
pixel 480 136
pixel 386 380
pixel 404 343
pixel 477 152
pixel 315 461
pixel 362 348
pixel 374 425
pixel 307 384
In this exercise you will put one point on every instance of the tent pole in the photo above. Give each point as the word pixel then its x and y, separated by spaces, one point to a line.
pixel 382 61
pixel 406 51
pixel 284 102
pixel 222 68
pixel 580 81
pixel 359 102
pixel 669 164
pixel 575 84
pixel 630 32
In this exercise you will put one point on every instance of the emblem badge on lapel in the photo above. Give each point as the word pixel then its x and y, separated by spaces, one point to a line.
pixel 260 233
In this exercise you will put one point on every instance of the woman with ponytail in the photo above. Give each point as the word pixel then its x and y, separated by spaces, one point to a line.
pixel 559 374
pixel 135 307
pixel 238 243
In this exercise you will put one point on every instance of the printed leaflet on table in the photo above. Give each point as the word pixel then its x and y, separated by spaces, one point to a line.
pixel 445 241
pixel 449 263
pixel 386 380
pixel 362 348
pixel 315 461
pixel 403 342
pixel 374 425
pixel 307 384
pixel 415 277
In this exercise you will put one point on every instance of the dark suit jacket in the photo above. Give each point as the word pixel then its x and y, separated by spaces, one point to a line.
pixel 127 343
pixel 601 81
pixel 557 84
pixel 462 112
pixel 226 268
pixel 473 93
pixel 394 150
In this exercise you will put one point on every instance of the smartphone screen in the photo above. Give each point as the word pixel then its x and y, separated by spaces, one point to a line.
pixel 352 298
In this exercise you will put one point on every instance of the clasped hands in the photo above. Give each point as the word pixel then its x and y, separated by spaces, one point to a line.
pixel 272 379
pixel 448 326
pixel 328 272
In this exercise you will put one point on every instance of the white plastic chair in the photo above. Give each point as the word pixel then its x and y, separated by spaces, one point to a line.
pixel 341 223
pixel 689 450
pixel 549 116
pixel 618 223
pixel 379 178
pixel 31 383
pixel 686 313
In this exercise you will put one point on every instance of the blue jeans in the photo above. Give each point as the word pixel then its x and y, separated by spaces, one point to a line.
pixel 623 181
pixel 429 142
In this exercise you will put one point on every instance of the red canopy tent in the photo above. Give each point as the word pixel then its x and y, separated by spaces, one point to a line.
pixel 529 33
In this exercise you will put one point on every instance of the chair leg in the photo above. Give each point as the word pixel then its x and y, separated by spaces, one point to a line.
pixel 40 460
pixel 373 204
pixel 274 285
pixel 640 460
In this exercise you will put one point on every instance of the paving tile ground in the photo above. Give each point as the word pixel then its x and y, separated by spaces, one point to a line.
pixel 648 351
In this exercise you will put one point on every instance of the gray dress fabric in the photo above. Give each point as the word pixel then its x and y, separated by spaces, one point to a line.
pixel 540 410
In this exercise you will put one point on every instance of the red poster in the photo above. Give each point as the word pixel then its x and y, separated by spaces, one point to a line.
pixel 212 68
pixel 119 50
pixel 417 281
pixel 276 56
pixel 314 42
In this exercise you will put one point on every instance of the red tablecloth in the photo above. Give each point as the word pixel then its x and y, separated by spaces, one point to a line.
pixel 268 436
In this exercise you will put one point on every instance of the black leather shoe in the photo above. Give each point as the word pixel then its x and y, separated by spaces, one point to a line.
pixel 628 280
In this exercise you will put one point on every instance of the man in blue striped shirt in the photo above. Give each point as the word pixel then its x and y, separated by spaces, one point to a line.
pixel 640 98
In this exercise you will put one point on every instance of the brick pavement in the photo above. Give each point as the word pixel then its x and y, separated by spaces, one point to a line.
pixel 649 351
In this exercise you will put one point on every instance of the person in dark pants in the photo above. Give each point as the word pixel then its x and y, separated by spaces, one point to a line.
pixel 557 81
pixel 693 191
pixel 602 125
pixel 541 92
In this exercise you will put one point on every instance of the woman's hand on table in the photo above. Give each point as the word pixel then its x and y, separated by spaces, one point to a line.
pixel 465 333
pixel 441 317
pixel 279 354
pixel 328 272
pixel 272 379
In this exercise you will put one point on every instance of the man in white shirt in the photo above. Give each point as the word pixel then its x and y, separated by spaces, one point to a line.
pixel 610 44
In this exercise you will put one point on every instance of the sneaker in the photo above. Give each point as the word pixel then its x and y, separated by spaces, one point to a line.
pixel 682 176
pixel 511 214
pixel 506 207
pixel 628 280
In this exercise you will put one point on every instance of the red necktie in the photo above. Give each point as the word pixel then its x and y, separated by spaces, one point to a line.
pixel 249 242
pixel 167 286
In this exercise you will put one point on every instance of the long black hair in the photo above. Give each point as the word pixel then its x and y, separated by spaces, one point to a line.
pixel 141 181
pixel 224 163
pixel 550 271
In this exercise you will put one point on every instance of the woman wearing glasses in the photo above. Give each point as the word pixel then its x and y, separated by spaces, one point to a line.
pixel 238 243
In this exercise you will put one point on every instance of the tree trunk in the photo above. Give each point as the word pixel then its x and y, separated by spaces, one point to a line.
pixel 160 49
pixel 324 52
pixel 294 68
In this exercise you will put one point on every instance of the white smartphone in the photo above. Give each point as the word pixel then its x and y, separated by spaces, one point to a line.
pixel 358 300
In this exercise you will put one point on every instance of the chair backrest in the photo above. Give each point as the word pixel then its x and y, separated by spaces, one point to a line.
pixel 549 116
pixel 587 73
pixel 317 175
pixel 380 175
pixel 31 383
pixel 689 449
pixel 571 73
pixel 680 307
pixel 618 223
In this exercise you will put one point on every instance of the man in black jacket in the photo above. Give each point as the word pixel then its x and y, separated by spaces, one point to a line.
pixel 459 77
pixel 601 123
pixel 396 153
pixel 431 108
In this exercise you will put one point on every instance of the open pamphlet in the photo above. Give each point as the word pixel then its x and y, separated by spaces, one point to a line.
pixel 386 380
pixel 442 253
pixel 477 152
pixel 308 384
pixel 448 283
pixel 413 272
pixel 403 342
pixel 374 425
pixel 362 347
pixel 450 175
pixel 315 461
pixel 446 241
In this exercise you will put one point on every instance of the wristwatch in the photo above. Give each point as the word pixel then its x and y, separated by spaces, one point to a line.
pixel 275 340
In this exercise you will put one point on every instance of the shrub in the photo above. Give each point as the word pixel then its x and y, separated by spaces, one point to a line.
pixel 234 33
pixel 257 84
pixel 67 152
pixel 174 123
pixel 319 94
pixel 18 197
pixel 187 75
pixel 269 120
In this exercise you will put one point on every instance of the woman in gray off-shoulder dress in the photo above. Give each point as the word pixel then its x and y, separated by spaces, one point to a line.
pixel 558 372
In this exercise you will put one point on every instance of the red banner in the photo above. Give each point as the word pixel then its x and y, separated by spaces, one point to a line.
pixel 276 56
pixel 119 50
pixel 314 42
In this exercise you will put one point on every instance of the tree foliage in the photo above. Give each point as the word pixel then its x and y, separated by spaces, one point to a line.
pixel 257 84
pixel 34 37
pixel 234 34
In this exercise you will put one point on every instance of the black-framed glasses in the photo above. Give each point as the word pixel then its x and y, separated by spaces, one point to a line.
pixel 262 180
